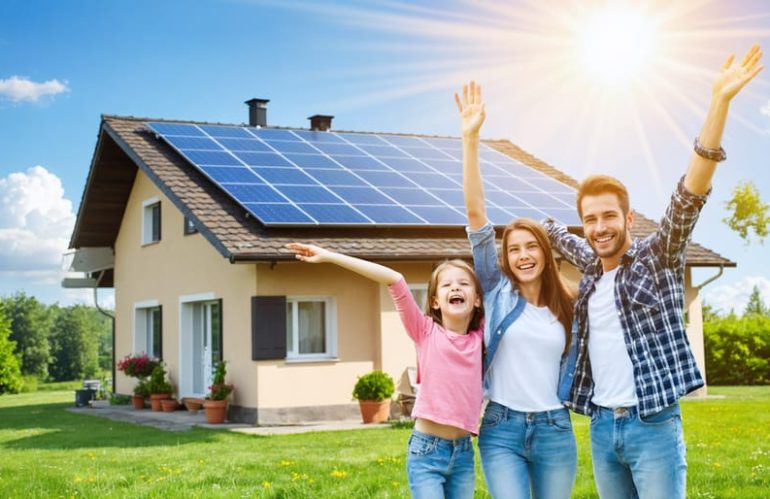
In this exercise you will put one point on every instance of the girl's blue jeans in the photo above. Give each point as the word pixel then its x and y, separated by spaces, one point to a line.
pixel 438 468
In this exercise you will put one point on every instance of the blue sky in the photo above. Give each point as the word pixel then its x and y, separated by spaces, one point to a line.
pixel 379 66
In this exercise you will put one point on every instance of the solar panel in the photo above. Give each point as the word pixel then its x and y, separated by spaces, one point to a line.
pixel 300 177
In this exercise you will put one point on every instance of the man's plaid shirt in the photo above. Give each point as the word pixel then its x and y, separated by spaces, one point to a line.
pixel 649 295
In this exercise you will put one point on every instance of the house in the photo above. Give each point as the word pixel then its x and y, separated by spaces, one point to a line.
pixel 201 274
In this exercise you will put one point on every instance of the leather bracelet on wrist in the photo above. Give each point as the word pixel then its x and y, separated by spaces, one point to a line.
pixel 712 154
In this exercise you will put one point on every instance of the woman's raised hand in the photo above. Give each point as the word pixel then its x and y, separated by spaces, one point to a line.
pixel 471 108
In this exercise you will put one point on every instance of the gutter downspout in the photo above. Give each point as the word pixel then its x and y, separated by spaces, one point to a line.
pixel 710 279
pixel 112 320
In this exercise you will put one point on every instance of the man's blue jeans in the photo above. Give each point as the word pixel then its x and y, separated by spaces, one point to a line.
pixel 438 468
pixel 638 457
pixel 525 453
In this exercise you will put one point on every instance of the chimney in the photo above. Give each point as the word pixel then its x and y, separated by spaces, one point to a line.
pixel 320 122
pixel 257 112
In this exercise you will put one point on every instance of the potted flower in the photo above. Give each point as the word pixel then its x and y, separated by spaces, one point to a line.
pixel 137 365
pixel 141 392
pixel 215 404
pixel 159 386
pixel 373 391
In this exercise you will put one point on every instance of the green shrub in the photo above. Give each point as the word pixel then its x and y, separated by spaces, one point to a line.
pixel 118 399
pixel 29 383
pixel 375 385
pixel 158 382
pixel 737 350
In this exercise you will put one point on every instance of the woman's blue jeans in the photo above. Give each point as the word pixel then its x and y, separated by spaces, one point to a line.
pixel 527 454
pixel 438 468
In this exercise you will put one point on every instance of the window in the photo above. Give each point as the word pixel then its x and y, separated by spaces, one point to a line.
pixel 420 294
pixel 151 221
pixel 148 330
pixel 310 328
pixel 189 226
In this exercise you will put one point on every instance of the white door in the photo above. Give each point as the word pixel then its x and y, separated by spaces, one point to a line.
pixel 206 341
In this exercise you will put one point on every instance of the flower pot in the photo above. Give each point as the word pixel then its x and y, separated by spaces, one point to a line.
pixel 155 399
pixel 216 411
pixel 193 405
pixel 169 405
pixel 137 401
pixel 374 411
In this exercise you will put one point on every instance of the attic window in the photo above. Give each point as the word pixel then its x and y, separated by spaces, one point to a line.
pixel 151 221
pixel 189 226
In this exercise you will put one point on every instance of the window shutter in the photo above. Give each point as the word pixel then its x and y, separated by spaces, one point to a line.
pixel 268 327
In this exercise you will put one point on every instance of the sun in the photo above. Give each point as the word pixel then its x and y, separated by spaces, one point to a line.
pixel 616 44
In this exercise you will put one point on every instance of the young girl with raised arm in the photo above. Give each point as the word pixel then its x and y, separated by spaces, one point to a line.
pixel 526 442
pixel 448 337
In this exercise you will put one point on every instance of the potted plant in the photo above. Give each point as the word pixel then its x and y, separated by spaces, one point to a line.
pixel 373 391
pixel 169 404
pixel 215 404
pixel 141 392
pixel 159 386
pixel 137 365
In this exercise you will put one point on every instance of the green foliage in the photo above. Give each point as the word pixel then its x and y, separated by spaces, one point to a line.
pixel 375 385
pixel 30 328
pixel 74 348
pixel 219 390
pixel 738 350
pixel 756 306
pixel 10 371
pixel 158 382
pixel 117 399
pixel 142 388
pixel 29 384
pixel 748 212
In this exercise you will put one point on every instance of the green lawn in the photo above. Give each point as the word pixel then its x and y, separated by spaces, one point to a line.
pixel 48 452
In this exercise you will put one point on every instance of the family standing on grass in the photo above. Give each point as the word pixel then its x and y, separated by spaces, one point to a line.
pixel 511 332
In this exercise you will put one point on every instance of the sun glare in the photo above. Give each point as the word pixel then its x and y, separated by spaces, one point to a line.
pixel 615 45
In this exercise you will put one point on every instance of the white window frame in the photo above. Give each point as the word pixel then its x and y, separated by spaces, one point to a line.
pixel 422 289
pixel 141 330
pixel 147 206
pixel 330 309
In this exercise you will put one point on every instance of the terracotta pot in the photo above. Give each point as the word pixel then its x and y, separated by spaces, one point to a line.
pixel 216 411
pixel 374 411
pixel 137 401
pixel 193 405
pixel 155 399
pixel 169 405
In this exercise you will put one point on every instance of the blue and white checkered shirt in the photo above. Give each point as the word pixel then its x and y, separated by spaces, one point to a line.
pixel 649 293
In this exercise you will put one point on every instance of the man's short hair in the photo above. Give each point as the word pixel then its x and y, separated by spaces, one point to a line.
pixel 595 185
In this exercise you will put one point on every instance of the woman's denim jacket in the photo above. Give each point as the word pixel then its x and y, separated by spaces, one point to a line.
pixel 503 305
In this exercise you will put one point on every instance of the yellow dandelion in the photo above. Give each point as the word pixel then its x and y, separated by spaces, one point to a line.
pixel 78 479
pixel 394 484
pixel 266 485
pixel 339 473
pixel 286 462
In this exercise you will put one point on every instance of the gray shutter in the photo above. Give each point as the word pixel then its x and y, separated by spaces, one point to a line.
pixel 268 327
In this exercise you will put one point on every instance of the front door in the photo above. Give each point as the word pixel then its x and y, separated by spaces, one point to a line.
pixel 204 344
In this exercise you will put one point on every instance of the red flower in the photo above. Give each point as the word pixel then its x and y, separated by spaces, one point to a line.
pixel 137 366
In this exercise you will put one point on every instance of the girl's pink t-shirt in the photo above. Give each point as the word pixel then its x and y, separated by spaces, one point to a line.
pixel 450 365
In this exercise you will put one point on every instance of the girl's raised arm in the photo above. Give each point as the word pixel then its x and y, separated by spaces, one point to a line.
pixel 315 254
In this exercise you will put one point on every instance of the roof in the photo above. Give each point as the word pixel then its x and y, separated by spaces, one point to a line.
pixel 125 145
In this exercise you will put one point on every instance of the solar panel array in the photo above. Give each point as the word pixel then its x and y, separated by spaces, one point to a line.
pixel 300 177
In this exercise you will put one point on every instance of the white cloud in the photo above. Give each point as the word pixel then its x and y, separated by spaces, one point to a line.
pixel 36 222
pixel 19 89
pixel 765 109
pixel 735 296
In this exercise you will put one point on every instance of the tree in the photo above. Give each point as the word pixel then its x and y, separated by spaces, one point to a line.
pixel 74 343
pixel 748 212
pixel 10 373
pixel 30 327
pixel 756 306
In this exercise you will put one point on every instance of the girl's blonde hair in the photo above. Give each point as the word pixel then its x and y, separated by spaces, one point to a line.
pixel 554 292
pixel 435 314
